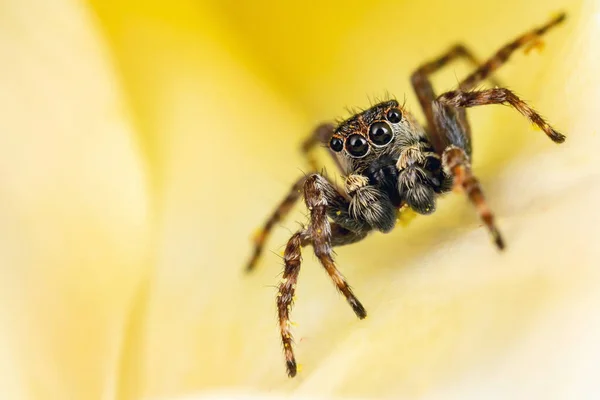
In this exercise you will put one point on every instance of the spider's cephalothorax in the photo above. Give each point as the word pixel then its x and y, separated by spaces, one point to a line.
pixel 386 156
pixel 390 163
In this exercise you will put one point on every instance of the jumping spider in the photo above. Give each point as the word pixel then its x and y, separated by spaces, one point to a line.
pixel 392 163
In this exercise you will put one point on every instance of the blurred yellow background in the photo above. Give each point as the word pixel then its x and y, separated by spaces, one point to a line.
pixel 142 142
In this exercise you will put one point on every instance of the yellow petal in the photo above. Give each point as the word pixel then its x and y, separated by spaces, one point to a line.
pixel 75 213
pixel 221 95
pixel 227 96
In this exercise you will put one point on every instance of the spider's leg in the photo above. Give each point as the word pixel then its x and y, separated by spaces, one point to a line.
pixel 317 191
pixel 461 99
pixel 426 95
pixel 424 90
pixel 457 51
pixel 287 287
pixel 280 212
pixel 456 164
pixel 285 296
pixel 321 135
pixel 502 55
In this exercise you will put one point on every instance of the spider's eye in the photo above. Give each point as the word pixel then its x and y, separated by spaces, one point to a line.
pixel 394 116
pixel 357 145
pixel 336 144
pixel 380 133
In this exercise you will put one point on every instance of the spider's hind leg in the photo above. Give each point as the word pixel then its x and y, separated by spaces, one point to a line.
pixel 423 88
pixel 320 135
pixel 502 55
pixel 457 51
pixel 280 212
pixel 456 164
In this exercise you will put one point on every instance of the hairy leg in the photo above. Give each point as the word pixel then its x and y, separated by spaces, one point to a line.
pixel 426 95
pixel 285 296
pixel 456 164
pixel 287 287
pixel 316 193
pixel 462 99
pixel 457 51
pixel 502 55
pixel 280 212
pixel 321 135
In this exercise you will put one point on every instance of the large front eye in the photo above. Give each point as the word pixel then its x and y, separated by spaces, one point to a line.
pixel 380 133
pixel 357 145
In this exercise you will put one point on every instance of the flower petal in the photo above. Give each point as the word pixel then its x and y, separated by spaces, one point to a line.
pixel 75 220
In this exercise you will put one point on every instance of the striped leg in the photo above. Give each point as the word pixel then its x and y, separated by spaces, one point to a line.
pixel 320 135
pixel 426 95
pixel 287 287
pixel 280 212
pixel 316 192
pixel 455 52
pixel 456 164
pixel 285 296
pixel 502 55
pixel 319 195
pixel 461 99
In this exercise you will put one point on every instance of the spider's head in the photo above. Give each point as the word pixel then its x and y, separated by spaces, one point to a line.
pixel 384 143
pixel 371 133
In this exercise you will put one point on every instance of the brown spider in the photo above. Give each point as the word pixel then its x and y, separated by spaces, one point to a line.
pixel 391 162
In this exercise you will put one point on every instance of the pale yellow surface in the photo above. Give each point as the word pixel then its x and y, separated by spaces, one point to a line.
pixel 141 143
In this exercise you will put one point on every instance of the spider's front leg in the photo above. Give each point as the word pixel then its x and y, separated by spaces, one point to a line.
pixel 456 160
pixel 462 99
pixel 317 194
pixel 321 198
pixel 426 94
